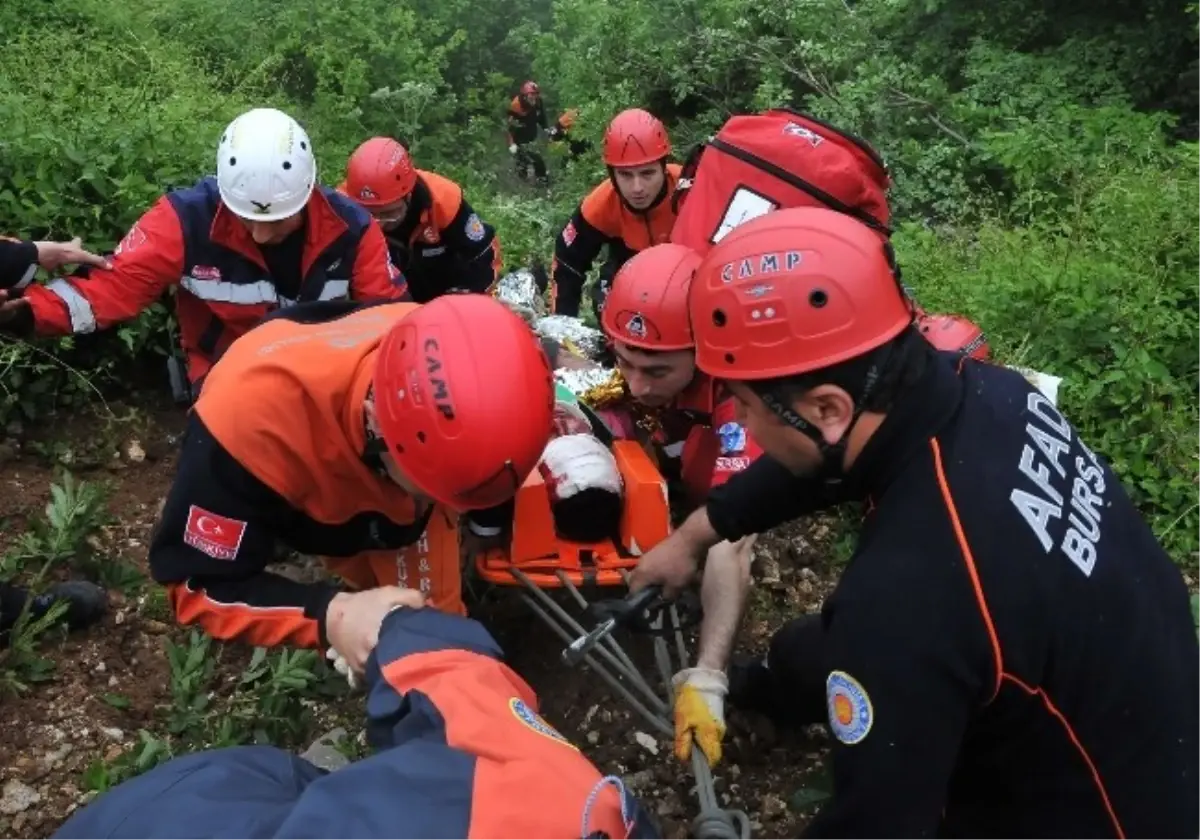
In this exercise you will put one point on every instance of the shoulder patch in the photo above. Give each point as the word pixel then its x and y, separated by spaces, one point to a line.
pixel 217 536
pixel 531 719
pixel 474 228
pixel 850 711
pixel 733 438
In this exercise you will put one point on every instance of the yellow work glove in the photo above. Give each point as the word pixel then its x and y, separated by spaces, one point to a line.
pixel 700 712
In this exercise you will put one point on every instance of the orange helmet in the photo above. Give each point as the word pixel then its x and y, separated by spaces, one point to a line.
pixel 379 173
pixel 954 333
pixel 530 89
pixel 647 304
pixel 464 399
pixel 794 291
pixel 635 138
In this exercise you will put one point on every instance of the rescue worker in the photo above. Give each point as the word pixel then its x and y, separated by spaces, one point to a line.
pixel 700 443
pixel 459 750
pixel 628 212
pixel 259 235
pixel 526 115
pixel 1009 651
pixel 434 236
pixel 560 132
pixel 357 434
pixel 86 602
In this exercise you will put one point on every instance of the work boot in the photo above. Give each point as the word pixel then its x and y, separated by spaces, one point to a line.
pixel 86 604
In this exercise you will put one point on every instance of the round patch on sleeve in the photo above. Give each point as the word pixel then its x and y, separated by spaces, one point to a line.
pixel 534 721
pixel 475 229
pixel 850 712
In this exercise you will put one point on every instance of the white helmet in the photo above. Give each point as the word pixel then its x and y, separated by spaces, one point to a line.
pixel 265 166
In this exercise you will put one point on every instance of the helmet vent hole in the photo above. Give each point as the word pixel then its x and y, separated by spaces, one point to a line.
pixel 287 164
pixel 421 437
pixel 303 145
pixel 718 317
pixel 817 298
pixel 729 358
pixel 233 161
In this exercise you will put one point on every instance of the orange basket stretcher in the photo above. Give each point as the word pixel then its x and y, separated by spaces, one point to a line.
pixel 539 561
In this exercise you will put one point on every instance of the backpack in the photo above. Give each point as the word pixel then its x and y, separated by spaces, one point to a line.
pixel 780 158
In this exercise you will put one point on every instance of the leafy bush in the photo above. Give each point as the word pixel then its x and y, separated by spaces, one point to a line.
pixel 1105 296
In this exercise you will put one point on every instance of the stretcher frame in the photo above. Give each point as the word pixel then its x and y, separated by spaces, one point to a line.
pixel 534 566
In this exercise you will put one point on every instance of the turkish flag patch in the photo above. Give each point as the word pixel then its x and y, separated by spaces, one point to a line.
pixel 217 536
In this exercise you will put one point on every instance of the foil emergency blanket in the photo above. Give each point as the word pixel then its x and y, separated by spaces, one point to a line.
pixel 572 333
pixel 518 290
pixel 597 386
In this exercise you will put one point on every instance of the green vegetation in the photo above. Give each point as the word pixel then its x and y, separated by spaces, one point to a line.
pixel 1044 154
pixel 218 695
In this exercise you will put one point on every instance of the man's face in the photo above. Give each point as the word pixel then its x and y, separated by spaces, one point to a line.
pixel 639 185
pixel 272 233
pixel 531 99
pixel 655 379
pixel 794 450
pixel 391 215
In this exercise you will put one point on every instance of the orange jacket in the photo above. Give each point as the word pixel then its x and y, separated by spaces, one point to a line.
pixel 442 243
pixel 524 121
pixel 276 450
pixel 603 218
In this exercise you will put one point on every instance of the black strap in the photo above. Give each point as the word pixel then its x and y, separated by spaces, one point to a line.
pixel 207 342
pixel 687 176
pixel 600 429
pixel 799 183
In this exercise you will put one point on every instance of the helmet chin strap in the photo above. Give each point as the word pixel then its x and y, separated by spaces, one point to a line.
pixel 375 448
pixel 832 469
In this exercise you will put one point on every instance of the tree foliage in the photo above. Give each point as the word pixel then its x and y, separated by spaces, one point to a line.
pixel 1043 153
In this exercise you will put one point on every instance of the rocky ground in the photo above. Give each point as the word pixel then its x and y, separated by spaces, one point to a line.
pixel 111 701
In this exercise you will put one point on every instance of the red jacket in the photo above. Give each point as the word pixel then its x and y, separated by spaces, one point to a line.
pixel 191 241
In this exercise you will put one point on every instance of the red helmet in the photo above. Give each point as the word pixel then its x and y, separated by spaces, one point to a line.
pixel 794 291
pixel 954 333
pixel 530 89
pixel 379 173
pixel 464 399
pixel 635 138
pixel 647 304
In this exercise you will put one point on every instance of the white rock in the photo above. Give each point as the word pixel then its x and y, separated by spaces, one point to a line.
pixel 647 742
pixel 17 797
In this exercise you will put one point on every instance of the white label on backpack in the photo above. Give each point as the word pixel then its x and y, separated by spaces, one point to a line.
pixel 797 130
pixel 744 206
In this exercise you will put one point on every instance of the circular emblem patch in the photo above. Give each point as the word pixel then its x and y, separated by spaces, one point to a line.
pixel 534 721
pixel 850 712
pixel 475 230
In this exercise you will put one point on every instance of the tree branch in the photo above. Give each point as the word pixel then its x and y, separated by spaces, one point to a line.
pixel 932 115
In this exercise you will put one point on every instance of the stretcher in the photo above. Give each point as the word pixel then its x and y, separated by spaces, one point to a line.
pixel 592 578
